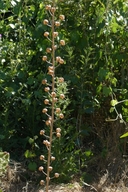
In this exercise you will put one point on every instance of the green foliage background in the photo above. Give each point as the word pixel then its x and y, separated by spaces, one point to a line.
pixel 96 54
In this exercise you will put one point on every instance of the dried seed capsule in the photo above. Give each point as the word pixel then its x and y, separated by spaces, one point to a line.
pixel 41 168
pixel 62 17
pixel 61 115
pixel 42 132
pixel 58 110
pixel 57 23
pixel 45 22
pixel 44 58
pixel 42 157
pixel 48 178
pixel 55 34
pixel 50 168
pixel 53 158
pixel 45 142
pixel 58 59
pixel 44 81
pixel 50 118
pixel 48 122
pixel 48 143
pixel 55 99
pixel 62 96
pixel 53 9
pixel 61 80
pixel 48 50
pixel 46 101
pixel 50 68
pixel 58 134
pixel 58 130
pixel 44 110
pixel 53 94
pixel 51 72
pixel 55 47
pixel 56 175
pixel 62 42
pixel 42 182
pixel 46 89
pixel 61 61
pixel 48 7
pixel 46 34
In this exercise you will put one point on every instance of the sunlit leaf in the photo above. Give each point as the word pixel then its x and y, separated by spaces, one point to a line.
pixel 29 154
pixel 113 102
pixel 124 135
pixel 88 153
pixel 13 3
pixel 31 140
pixel 12 25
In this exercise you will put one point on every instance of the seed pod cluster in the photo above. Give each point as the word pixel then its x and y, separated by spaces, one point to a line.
pixel 53 97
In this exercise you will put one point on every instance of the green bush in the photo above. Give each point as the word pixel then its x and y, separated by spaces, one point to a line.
pixel 96 57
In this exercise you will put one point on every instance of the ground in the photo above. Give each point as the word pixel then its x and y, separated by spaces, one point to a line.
pixel 15 181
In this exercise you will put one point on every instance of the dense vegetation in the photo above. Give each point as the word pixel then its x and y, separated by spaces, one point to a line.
pixel 96 72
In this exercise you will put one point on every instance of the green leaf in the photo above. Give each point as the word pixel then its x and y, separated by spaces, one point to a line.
pixel 88 153
pixel 111 109
pixel 13 3
pixel 31 141
pixel 2 137
pixel 32 166
pixel 99 88
pixel 12 26
pixel 126 103
pixel 29 154
pixel 102 74
pixel 113 102
pixel 35 137
pixel 124 135
pixel 106 91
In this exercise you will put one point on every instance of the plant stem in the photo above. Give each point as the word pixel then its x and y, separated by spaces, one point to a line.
pixel 52 112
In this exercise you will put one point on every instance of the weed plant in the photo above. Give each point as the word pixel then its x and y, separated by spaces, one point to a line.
pixel 55 89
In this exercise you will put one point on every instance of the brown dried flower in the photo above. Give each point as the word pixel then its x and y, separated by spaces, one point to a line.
pixel 62 17
pixel 44 110
pixel 42 132
pixel 46 101
pixel 62 42
pixel 58 134
pixel 41 168
pixel 61 79
pixel 46 34
pixel 48 7
pixel 42 182
pixel 44 58
pixel 42 157
pixel 44 81
pixel 57 23
pixel 56 175
pixel 48 50
pixel 45 22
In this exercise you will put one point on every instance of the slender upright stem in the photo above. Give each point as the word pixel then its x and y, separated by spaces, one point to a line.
pixel 52 112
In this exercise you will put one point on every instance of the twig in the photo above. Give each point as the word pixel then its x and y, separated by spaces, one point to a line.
pixel 87 185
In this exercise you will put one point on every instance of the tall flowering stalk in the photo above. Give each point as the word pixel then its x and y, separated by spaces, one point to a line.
pixel 52 111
